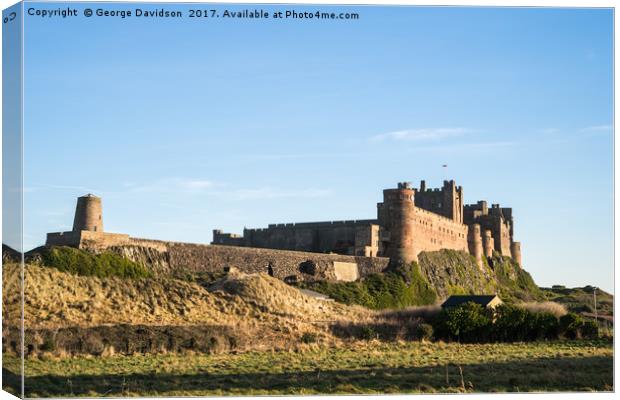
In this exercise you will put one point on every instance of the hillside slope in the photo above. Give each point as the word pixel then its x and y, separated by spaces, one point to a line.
pixel 9 254
pixel 455 272
pixel 581 300
pixel 436 276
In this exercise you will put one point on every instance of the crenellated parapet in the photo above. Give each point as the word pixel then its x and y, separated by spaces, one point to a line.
pixel 409 221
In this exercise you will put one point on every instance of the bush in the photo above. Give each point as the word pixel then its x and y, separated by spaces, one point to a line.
pixel 511 323
pixel 80 262
pixel 570 325
pixel 507 323
pixel 573 326
pixel 367 333
pixel 424 332
pixel 514 323
pixel 589 330
pixel 469 322
pixel 309 337
pixel 48 345
pixel 545 326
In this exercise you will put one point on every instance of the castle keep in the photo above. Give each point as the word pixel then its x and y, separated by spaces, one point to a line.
pixel 409 221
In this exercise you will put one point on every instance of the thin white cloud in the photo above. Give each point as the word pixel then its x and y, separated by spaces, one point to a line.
pixel 207 187
pixel 597 128
pixel 172 185
pixel 31 189
pixel 466 146
pixel 291 156
pixel 196 184
pixel 424 134
pixel 273 193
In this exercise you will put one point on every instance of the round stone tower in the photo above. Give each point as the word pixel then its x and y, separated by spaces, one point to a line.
pixel 88 214
pixel 515 250
pixel 488 243
pixel 474 242
pixel 396 214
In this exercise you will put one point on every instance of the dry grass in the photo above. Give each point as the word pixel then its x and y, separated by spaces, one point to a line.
pixel 554 308
pixel 264 306
pixel 273 296
pixel 392 325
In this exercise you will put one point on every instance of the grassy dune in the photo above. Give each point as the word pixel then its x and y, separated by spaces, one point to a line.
pixel 361 367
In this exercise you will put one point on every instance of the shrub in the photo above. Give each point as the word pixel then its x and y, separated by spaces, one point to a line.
pixel 424 332
pixel 589 330
pixel 309 337
pixel 48 345
pixel 545 326
pixel 469 322
pixel 514 323
pixel 80 262
pixel 367 333
pixel 511 323
pixel 573 326
pixel 570 325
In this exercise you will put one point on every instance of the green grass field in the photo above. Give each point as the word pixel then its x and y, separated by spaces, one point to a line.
pixel 361 367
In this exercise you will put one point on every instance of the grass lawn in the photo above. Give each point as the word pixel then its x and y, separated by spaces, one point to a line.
pixel 361 367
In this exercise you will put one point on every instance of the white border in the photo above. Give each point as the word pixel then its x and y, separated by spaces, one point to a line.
pixel 488 3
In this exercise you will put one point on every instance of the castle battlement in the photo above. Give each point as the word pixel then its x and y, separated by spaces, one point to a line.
pixel 409 220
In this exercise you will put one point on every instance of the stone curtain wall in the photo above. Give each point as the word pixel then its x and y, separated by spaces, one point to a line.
pixel 179 258
pixel 433 232
pixel 318 237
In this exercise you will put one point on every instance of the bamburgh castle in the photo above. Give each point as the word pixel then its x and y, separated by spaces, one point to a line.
pixel 409 221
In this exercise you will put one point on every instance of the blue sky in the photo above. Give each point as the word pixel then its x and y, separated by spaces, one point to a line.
pixel 184 126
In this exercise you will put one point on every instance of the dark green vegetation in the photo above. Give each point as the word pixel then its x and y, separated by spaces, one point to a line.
pixel 514 283
pixel 353 368
pixel 456 272
pixel 128 339
pixel 396 288
pixel 80 262
pixel 581 300
pixel 438 275
pixel 471 323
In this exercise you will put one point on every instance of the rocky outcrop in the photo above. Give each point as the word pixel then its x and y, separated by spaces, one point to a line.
pixel 456 272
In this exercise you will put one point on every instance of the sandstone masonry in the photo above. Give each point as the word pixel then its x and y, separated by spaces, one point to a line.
pixel 409 221
pixel 174 258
